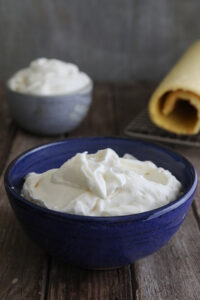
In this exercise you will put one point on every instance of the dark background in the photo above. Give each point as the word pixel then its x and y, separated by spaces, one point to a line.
pixel 111 40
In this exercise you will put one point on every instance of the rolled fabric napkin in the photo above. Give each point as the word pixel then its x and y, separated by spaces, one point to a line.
pixel 175 104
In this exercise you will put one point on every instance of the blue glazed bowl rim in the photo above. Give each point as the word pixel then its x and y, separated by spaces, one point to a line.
pixel 150 214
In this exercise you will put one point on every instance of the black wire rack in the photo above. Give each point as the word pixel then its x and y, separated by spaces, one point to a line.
pixel 142 127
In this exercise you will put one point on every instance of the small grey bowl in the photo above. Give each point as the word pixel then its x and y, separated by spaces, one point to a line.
pixel 50 115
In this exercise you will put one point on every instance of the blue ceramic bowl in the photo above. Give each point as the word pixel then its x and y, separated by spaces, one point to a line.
pixel 99 242
pixel 50 115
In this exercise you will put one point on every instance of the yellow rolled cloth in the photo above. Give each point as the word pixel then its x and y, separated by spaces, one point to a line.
pixel 175 104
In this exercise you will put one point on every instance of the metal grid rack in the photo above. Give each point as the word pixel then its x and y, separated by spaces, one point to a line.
pixel 142 127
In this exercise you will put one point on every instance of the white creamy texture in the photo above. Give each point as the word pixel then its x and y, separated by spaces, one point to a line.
pixel 48 77
pixel 102 184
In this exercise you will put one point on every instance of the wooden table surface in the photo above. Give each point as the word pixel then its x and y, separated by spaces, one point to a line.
pixel 26 272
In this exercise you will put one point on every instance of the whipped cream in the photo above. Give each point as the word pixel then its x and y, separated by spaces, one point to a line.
pixel 102 184
pixel 48 77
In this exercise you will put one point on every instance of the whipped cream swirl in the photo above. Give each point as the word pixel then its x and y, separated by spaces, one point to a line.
pixel 102 184
pixel 49 77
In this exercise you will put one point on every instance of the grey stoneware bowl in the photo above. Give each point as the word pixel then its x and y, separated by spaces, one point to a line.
pixel 50 115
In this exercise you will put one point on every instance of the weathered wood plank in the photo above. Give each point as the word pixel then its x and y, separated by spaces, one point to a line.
pixel 100 119
pixel 193 154
pixel 7 130
pixel 66 282
pixel 70 283
pixel 23 266
pixel 130 99
pixel 173 272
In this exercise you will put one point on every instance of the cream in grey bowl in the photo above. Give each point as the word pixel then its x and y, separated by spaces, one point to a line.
pixel 49 97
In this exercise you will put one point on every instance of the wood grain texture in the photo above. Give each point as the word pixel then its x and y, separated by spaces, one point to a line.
pixel 101 118
pixel 23 266
pixel 193 154
pixel 111 40
pixel 174 271
pixel 27 273
pixel 129 99
pixel 7 130
pixel 70 283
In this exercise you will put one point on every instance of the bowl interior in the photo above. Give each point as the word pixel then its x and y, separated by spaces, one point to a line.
pixel 55 154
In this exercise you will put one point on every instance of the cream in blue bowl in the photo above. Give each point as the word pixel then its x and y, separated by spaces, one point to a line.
pixel 91 241
pixel 49 97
